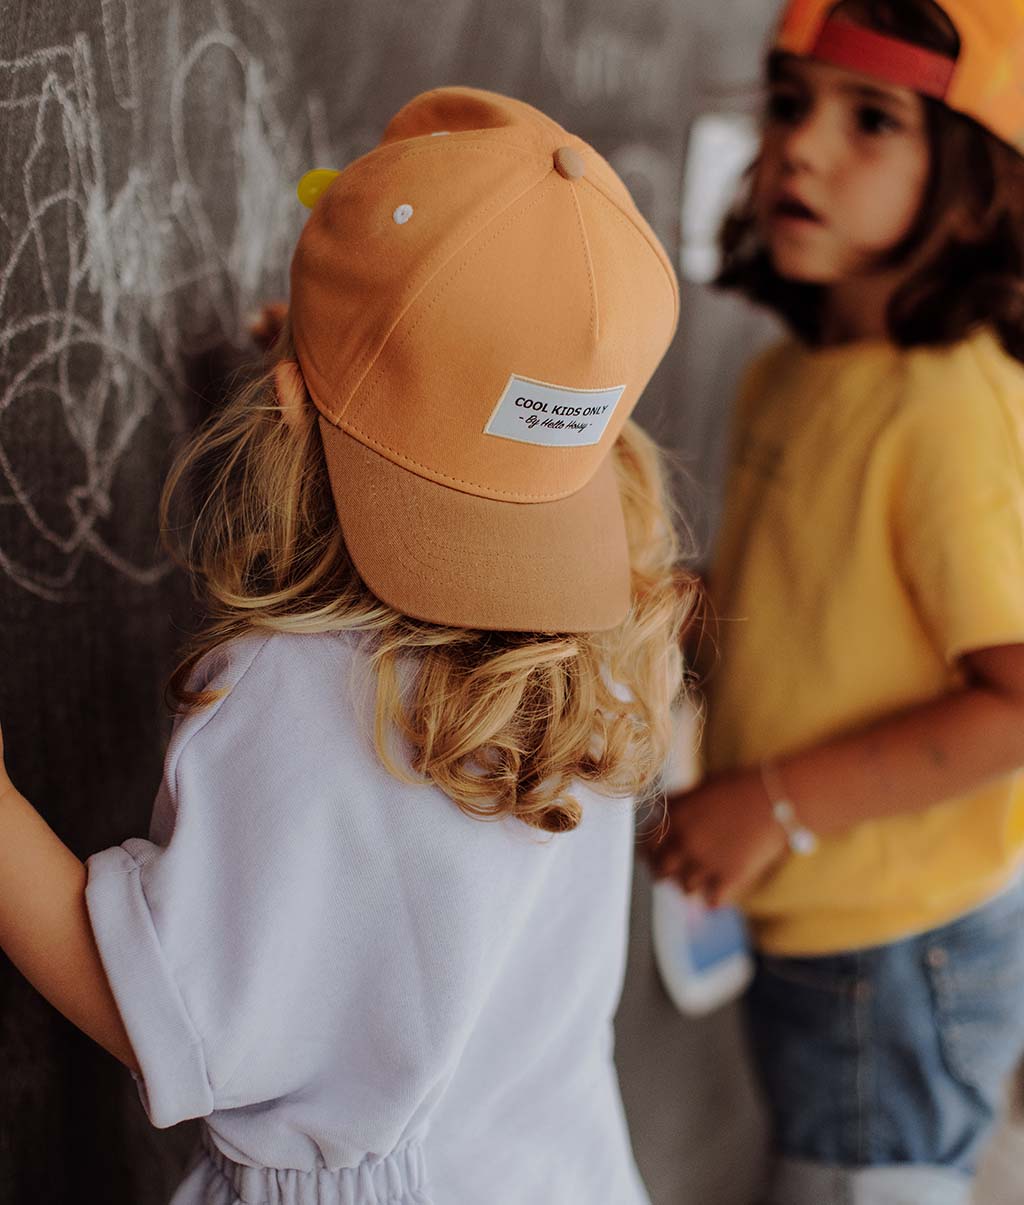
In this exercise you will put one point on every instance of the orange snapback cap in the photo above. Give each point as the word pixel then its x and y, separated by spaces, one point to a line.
pixel 985 81
pixel 477 305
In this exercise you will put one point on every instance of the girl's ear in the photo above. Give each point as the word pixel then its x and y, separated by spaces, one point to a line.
pixel 291 392
pixel 964 223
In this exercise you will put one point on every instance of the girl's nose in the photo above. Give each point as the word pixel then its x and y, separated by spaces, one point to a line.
pixel 810 142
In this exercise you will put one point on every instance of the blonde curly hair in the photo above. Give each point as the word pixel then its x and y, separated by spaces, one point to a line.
pixel 502 722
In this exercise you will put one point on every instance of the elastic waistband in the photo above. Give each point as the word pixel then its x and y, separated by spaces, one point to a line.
pixel 397 1179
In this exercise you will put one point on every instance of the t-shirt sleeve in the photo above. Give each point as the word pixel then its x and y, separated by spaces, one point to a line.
pixel 959 513
pixel 211 931
pixel 300 931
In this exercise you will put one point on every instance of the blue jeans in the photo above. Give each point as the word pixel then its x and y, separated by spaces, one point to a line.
pixel 884 1068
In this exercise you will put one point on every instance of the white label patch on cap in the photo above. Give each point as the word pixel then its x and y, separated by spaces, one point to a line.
pixel 552 416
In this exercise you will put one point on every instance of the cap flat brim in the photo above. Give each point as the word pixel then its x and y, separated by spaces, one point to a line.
pixel 453 558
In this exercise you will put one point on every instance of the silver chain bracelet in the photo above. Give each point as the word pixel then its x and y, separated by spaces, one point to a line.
pixel 800 838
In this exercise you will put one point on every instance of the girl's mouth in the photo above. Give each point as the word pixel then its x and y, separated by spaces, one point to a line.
pixel 794 210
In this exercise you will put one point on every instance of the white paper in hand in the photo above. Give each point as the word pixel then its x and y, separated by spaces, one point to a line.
pixel 702 953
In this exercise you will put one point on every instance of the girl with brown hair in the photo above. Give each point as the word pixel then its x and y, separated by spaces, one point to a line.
pixel 865 713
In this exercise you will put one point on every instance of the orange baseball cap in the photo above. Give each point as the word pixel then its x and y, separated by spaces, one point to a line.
pixel 477 304
pixel 986 81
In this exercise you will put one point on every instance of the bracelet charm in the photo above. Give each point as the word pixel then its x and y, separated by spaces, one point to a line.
pixel 799 838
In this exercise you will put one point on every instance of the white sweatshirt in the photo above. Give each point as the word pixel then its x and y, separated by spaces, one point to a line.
pixel 370 997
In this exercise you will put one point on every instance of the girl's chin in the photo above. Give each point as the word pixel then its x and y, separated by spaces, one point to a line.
pixel 801 269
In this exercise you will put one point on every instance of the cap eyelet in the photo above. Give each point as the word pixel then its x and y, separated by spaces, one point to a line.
pixel 402 214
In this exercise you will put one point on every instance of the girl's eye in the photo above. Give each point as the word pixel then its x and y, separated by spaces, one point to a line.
pixel 872 120
pixel 785 107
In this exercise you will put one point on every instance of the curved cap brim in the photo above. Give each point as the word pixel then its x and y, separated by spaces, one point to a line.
pixel 452 558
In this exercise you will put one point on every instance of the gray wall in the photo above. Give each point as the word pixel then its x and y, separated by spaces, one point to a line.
pixel 150 153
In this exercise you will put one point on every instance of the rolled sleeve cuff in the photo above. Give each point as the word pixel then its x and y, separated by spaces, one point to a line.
pixel 968 640
pixel 174 1084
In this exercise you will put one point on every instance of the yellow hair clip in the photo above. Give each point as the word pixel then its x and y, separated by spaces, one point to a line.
pixel 312 185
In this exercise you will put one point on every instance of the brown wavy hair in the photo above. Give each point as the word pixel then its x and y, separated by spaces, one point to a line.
pixel 502 722
pixel 968 274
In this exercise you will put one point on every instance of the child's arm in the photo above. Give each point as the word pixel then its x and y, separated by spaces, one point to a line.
pixel 44 925
pixel 723 835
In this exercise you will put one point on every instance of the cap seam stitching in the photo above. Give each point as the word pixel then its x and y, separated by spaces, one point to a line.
pixel 372 157
pixel 595 319
pixel 650 242
pixel 357 168
pixel 364 436
pixel 444 146
pixel 462 268
pixel 539 119
pixel 377 445
pixel 494 556
pixel 364 365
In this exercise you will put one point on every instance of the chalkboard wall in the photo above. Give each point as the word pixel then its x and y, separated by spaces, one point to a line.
pixel 147 207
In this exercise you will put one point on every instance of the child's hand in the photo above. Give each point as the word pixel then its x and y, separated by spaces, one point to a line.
pixel 265 326
pixel 722 838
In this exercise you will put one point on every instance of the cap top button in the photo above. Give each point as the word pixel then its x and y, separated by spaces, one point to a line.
pixel 569 163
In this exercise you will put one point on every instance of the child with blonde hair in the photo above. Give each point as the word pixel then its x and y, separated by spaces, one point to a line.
pixel 865 712
pixel 376 936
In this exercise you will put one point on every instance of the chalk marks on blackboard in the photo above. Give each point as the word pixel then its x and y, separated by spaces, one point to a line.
pixel 155 210
pixel 119 260
pixel 630 53
pixel 122 51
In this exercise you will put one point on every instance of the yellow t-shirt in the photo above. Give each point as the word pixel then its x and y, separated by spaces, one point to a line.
pixel 873 532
